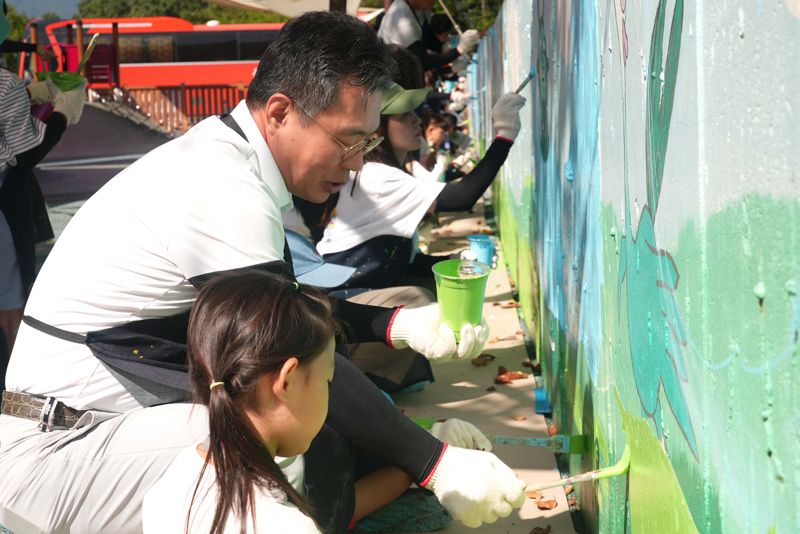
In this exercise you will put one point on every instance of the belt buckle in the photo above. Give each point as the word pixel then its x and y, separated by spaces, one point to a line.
pixel 48 414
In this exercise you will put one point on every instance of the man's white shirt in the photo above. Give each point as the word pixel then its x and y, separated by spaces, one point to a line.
pixel 400 26
pixel 208 201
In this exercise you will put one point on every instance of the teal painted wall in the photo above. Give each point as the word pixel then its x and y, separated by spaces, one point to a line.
pixel 649 214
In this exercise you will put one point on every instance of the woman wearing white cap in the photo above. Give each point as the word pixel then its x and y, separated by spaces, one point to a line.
pixel 377 215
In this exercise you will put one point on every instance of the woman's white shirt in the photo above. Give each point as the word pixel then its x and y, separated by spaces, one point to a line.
pixel 383 201
pixel 167 502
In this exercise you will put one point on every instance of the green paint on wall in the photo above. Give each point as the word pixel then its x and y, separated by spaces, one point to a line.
pixel 657 503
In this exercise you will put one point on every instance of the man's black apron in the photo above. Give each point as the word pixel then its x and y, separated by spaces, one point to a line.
pixel 149 356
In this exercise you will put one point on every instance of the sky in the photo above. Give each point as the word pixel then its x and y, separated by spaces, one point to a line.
pixel 35 8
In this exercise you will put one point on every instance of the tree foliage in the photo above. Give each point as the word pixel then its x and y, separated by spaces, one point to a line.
pixel 478 14
pixel 195 11
pixel 17 21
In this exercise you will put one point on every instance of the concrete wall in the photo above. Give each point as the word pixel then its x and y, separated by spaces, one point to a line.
pixel 650 218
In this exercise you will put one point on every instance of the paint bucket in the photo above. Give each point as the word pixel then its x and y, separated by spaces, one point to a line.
pixel 460 289
pixel 482 246
pixel 65 81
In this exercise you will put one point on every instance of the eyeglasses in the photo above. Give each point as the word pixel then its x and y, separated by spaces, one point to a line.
pixel 363 147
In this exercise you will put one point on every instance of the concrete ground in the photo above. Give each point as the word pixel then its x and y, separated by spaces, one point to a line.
pixel 467 392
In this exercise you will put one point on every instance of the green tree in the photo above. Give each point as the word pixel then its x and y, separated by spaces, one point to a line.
pixel 16 20
pixel 195 11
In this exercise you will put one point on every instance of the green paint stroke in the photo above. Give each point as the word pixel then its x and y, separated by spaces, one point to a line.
pixel 657 503
pixel 660 96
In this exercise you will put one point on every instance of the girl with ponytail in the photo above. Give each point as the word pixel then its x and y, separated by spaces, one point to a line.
pixel 260 350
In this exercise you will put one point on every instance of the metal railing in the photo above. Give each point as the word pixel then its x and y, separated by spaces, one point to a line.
pixel 175 109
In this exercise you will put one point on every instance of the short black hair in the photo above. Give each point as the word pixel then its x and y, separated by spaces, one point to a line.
pixel 312 54
pixel 440 23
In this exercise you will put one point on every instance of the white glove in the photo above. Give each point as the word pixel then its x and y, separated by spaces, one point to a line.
pixel 468 41
pixel 475 486
pixel 464 163
pixel 459 65
pixel 40 92
pixel 69 104
pixel 423 330
pixel 442 160
pixel 505 115
pixel 458 433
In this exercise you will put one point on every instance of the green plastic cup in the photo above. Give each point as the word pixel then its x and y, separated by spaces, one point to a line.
pixel 460 289
pixel 66 81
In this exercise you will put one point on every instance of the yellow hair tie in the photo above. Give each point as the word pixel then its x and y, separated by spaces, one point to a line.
pixel 215 384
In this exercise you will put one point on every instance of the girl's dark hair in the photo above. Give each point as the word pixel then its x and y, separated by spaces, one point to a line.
pixel 242 327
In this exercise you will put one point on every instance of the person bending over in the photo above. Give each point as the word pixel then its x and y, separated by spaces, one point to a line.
pixel 378 213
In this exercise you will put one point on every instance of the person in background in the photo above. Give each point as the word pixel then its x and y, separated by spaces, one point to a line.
pixel 377 216
pixel 406 24
pixel 24 141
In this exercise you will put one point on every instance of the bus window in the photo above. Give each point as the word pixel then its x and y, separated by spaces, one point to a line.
pixel 253 43
pixel 146 48
pixel 206 46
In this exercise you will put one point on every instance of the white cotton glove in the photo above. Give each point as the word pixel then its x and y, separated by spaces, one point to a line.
pixel 69 104
pixel 442 160
pixel 458 433
pixel 464 163
pixel 475 486
pixel 468 41
pixel 40 92
pixel 459 65
pixel 423 330
pixel 505 115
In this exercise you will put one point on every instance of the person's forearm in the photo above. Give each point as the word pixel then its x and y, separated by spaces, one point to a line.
pixel 364 323
pixel 462 195
pixel 431 61
pixel 56 124
pixel 378 489
pixel 12 47
pixel 364 417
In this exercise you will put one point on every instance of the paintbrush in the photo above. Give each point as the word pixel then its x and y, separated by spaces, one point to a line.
pixel 619 468
pixel 560 443
pixel 449 16
pixel 88 53
pixel 528 78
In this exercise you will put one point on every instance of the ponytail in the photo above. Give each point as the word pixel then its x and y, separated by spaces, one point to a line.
pixel 243 327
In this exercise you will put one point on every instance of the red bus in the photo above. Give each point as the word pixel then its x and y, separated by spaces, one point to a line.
pixel 160 51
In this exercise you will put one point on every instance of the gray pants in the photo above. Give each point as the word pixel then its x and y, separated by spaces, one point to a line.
pixel 92 477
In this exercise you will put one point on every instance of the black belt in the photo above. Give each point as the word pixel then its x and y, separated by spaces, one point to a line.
pixel 48 411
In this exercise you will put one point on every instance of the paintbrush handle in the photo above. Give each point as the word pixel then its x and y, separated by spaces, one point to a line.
pixel 619 468
pixel 87 53
pixel 525 81
pixel 447 12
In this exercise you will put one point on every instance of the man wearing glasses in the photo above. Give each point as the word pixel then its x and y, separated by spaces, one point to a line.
pixel 93 416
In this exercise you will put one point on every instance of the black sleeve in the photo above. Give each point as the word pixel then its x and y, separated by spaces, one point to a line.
pixel 431 61
pixel 364 417
pixel 423 263
pixel 16 46
pixel 365 323
pixel 462 195
pixel 56 124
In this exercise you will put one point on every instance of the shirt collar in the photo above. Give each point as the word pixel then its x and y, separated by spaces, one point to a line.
pixel 270 174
